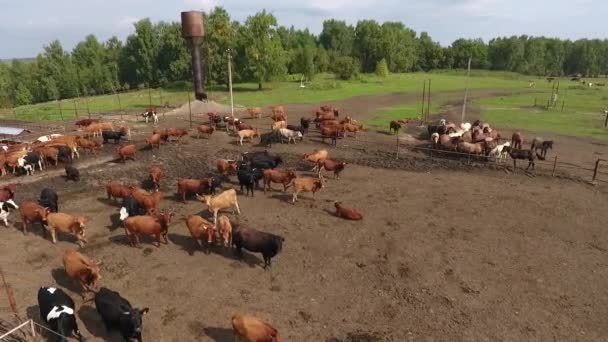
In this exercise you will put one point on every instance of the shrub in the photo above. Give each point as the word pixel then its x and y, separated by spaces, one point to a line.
pixel 382 68
pixel 344 67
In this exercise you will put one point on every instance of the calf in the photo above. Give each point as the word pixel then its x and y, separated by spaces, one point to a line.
pixel 129 207
pixel 126 152
pixel 113 135
pixel 72 173
pixel 118 314
pixel 32 159
pixel 529 155
pixel 154 140
pixel 332 133
pixel 347 213
pixel 315 157
pixel 5 208
pixel 150 114
pixel 57 310
pixel 117 190
pixel 224 200
pixel 331 165
pixel 290 135
pixel 225 230
pixel 252 329
pixel 155 174
pixel 255 112
pixel 64 223
pixel 146 200
pixel 49 153
pixel 81 268
pixel 258 242
pixel 278 176
pixel 305 184
pixel 195 186
pixel 177 133
pixel 206 130
pixel 90 145
pixel 157 225
pixel 226 167
pixel 31 213
pixel 247 133
pixel 267 139
pixel 49 199
pixel 248 177
pixel 200 228
pixel 163 132
pixel 85 122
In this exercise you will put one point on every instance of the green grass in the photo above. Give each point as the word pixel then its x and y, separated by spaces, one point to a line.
pixel 403 111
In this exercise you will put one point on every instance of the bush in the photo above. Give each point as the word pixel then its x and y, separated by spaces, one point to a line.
pixel 345 67
pixel 325 85
pixel 382 68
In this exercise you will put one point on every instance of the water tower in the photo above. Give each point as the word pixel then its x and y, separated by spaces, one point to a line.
pixel 193 32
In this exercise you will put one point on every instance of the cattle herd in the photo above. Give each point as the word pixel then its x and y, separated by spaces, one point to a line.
pixel 140 213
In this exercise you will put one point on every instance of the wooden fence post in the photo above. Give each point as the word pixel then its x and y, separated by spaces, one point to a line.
pixel 397 154
pixel 597 165
pixel 554 166
pixel 423 98
pixel 428 99
pixel 15 112
pixel 190 109
pixel 606 121
pixel 60 110
pixel 75 109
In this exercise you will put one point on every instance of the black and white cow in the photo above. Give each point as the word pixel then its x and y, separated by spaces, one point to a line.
pixel 150 114
pixel 5 208
pixel 49 199
pixel 57 310
pixel 129 207
pixel 118 314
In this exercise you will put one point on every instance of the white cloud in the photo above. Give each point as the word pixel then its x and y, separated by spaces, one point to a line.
pixel 205 5
pixel 126 22
pixel 332 5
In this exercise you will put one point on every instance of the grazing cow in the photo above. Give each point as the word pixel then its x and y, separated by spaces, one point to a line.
pixel 528 155
pixel 48 153
pixel 394 127
pixel 267 139
pixel 205 129
pixel 49 199
pixel 157 225
pixel 196 186
pixel 200 228
pixel 64 223
pixel 305 184
pixel 347 213
pixel 154 140
pixel 249 134
pixel 126 152
pixel 278 125
pixel 248 177
pixel 81 268
pixel 255 112
pixel 112 135
pixel 32 212
pixel 226 167
pixel 163 132
pixel 315 157
pixel 177 133
pixel 542 145
pixel 266 162
pixel 150 114
pixel 117 190
pixel 148 201
pixel 258 242
pixel 90 145
pixel 330 165
pixel 251 329
pixel 225 230
pixel 58 311
pixel 517 140
pixel 118 314
pixel 72 173
pixel 129 207
pixel 224 200
pixel 5 208
pixel 278 176
pixel 86 122
pixel 155 174
pixel 290 135
pixel 332 133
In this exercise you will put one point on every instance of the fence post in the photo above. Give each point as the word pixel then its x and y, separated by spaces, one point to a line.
pixel 75 109
pixel 428 99
pixel 33 328
pixel 554 166
pixel 150 95
pixel 15 112
pixel 423 98
pixel 397 154
pixel 60 110
pixel 86 100
pixel 190 109
pixel 597 165
pixel 606 121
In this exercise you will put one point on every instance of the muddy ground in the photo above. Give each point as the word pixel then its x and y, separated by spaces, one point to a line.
pixel 446 251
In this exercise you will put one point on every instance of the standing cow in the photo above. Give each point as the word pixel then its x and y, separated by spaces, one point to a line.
pixel 58 311
pixel 118 314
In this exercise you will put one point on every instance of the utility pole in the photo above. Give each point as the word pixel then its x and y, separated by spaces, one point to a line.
pixel 466 91
pixel 230 81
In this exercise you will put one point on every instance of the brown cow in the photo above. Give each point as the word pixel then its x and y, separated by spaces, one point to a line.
pixel 205 129
pixel 243 126
pixel 347 213
pixel 163 132
pixel 200 228
pixel 48 153
pixel 81 268
pixel 157 225
pixel 332 133
pixel 315 157
pixel 278 176
pixel 154 140
pixel 127 152
pixel 255 112
pixel 196 186
pixel 305 184
pixel 177 133
pixel 517 139
pixel 155 174
pixel 32 212
pixel 90 145
pixel 64 223
pixel 331 165
pixel 86 122
pixel 247 133
pixel 224 200
pixel 225 230
pixel 146 200
pixel 117 190
pixel 251 329
pixel 352 128
pixel 226 167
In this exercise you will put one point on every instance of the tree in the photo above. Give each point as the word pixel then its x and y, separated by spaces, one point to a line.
pixel 111 60
pixel 5 96
pixel 321 60
pixel 54 74
pixel 220 37
pixel 173 57
pixel 382 68
pixel 264 50
pixel 139 56
pixel 368 44
pixel 345 67
pixel 429 53
pixel 476 49
pixel 398 47
pixel 337 36
pixel 304 61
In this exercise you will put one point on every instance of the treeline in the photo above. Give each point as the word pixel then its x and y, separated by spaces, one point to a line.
pixel 156 55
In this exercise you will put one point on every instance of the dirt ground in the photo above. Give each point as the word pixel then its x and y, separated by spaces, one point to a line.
pixel 444 253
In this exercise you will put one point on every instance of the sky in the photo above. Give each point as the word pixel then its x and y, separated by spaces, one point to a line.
pixel 27 25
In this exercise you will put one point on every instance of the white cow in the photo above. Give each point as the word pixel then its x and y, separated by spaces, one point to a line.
pixel 290 135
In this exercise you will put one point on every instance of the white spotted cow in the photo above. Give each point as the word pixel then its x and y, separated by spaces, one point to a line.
pixel 57 310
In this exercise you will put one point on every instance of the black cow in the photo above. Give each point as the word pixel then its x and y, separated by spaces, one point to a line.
pixel 65 154
pixel 248 176
pixel 129 207
pixel 215 183
pixel 267 139
pixel 49 199
pixel 33 159
pixel 256 241
pixel 57 310
pixel 303 128
pixel 269 162
pixel 252 155
pixel 112 135
pixel 528 155
pixel 72 173
pixel 118 314
pixel 5 210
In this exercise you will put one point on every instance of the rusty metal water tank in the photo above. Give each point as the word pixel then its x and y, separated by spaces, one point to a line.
pixel 192 24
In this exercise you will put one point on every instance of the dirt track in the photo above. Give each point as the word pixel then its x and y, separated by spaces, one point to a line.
pixel 442 255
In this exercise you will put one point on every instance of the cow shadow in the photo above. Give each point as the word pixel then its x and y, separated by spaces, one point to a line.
pixel 106 201
pixel 121 239
pixel 62 279
pixel 147 184
pixel 92 321
pixel 283 197
pixel 33 313
pixel 38 229
pixel 116 222
pixel 219 334
pixel 188 244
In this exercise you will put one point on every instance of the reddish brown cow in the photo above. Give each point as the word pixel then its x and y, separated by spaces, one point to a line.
pixel 49 153
pixel 331 165
pixel 126 152
pixel 226 167
pixel 155 174
pixel 64 223
pixel 32 212
pixel 278 176
pixel 81 268
pixel 205 129
pixel 332 133
pixel 90 145
pixel 154 140
pixel 177 133
pixel 193 186
pixel 7 192
pixel 243 126
pixel 347 213
pixel 157 225
pixel 146 200
pixel 200 228
pixel 117 190
pixel 517 139
pixel 86 122
pixel 163 132
pixel 251 329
